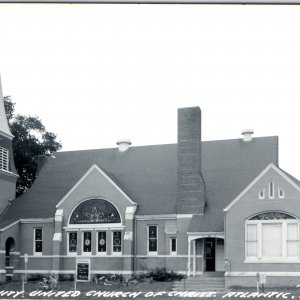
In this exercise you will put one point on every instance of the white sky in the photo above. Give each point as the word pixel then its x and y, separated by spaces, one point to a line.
pixel 96 73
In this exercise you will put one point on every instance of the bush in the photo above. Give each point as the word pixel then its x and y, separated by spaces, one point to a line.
pixel 161 274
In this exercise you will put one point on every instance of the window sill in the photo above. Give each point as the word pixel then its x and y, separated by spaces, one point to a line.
pixel 152 254
pixel 272 261
pixel 116 254
pixel 38 253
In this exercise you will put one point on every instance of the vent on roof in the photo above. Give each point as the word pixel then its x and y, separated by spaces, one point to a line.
pixel 247 135
pixel 123 144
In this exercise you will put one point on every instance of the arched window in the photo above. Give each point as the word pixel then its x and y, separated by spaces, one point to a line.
pixel 272 235
pixel 95 211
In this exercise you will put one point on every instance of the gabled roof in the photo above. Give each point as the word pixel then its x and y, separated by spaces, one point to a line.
pixel 147 174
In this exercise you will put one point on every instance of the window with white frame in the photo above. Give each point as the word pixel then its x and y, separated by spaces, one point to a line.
pixel 72 245
pixel 262 194
pixel 173 245
pixel 117 242
pixel 271 190
pixel 280 192
pixel 38 241
pixel 272 235
pixel 4 159
pixel 152 239
pixel 102 242
pixel 87 242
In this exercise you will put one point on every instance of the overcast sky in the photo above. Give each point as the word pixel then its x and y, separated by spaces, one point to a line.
pixel 97 73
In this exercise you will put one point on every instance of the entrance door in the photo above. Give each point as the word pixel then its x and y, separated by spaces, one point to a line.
pixel 210 257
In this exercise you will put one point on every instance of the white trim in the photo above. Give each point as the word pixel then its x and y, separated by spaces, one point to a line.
pixel 10 225
pixel 271 274
pixel 57 237
pixel 103 226
pixel 34 240
pixel 37 220
pixel 94 167
pixel 59 215
pixel 283 193
pixel 271 189
pixel 185 216
pixel 173 252
pixel 259 258
pixel 152 253
pixel 156 217
pixel 92 225
pixel 68 243
pixel 14 253
pixel 113 253
pixel 82 242
pixel 201 235
pixel 264 194
pixel 270 166
pixel 109 256
pixel 97 239
pixel 271 261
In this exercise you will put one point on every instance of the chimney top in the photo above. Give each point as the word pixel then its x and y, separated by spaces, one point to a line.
pixel 247 135
pixel 123 144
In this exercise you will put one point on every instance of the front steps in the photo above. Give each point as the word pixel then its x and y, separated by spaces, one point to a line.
pixel 209 281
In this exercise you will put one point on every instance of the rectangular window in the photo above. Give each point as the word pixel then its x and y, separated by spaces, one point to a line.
pixel 3 159
pixel 271 240
pixel 173 246
pixel 102 241
pixel 73 242
pixel 87 242
pixel 38 240
pixel 292 240
pixel 251 240
pixel 117 242
pixel 152 238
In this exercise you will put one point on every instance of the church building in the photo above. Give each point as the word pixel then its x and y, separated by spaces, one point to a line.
pixel 192 207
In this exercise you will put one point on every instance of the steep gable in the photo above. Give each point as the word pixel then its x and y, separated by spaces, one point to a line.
pixel 272 184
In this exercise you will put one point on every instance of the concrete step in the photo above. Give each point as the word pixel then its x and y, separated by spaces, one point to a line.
pixel 201 283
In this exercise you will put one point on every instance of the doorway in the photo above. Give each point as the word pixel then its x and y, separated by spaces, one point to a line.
pixel 9 247
pixel 210 254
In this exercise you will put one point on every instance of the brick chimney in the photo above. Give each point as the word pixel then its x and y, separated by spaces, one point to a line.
pixel 190 183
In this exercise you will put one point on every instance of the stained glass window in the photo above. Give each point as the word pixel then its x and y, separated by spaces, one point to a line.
pixel 102 241
pixel 95 211
pixel 117 245
pixel 152 238
pixel 38 240
pixel 87 242
pixel 272 216
pixel 72 241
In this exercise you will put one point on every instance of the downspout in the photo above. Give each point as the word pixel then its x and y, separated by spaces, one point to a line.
pixel 135 245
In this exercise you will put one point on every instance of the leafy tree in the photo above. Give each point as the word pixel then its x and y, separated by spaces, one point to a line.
pixel 30 140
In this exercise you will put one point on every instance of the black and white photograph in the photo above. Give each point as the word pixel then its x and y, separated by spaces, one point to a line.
pixel 149 151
